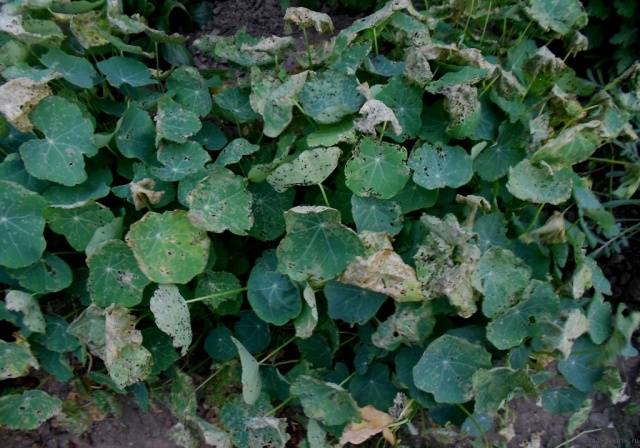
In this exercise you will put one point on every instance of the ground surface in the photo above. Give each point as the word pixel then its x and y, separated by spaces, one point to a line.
pixel 136 428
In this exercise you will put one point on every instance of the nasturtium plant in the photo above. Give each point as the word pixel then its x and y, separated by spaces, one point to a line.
pixel 338 235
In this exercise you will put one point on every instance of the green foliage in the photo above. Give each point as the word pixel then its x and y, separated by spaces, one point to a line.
pixel 415 207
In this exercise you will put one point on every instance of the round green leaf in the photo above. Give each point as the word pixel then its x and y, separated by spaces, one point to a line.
pixel 495 160
pixel 268 210
pixel 328 403
pixel 78 71
pixel 21 225
pixel 57 338
pixel 235 105
pixel 190 90
pixel 78 224
pixel 175 123
pixel 413 197
pixel 122 70
pixel 352 304
pixel 539 184
pixel 49 274
pixel 215 283
pixel 374 387
pixel 252 331
pixel 311 167
pixel 317 246
pixel 501 277
pixel 376 215
pixel 95 187
pixel 405 100
pixel 562 400
pixel 28 410
pixel 273 297
pixel 510 328
pixel 135 135
pixel 599 315
pixel 161 348
pixel 68 137
pixel 330 96
pixel 440 165
pixel 221 202
pixel 218 344
pixel 168 248
pixel 179 160
pixel 114 275
pixel 583 367
pixel 377 169
pixel 447 367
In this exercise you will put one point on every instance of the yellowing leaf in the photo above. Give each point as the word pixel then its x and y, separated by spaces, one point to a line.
pixel 18 97
pixel 373 422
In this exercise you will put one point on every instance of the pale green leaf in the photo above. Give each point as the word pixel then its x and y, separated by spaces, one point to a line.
pixel 439 166
pixel 221 202
pixel 28 410
pixel 174 122
pixel 539 183
pixel 168 248
pixel 114 276
pixel 311 167
pixel 123 70
pixel 171 314
pixel 78 224
pixel 251 381
pixel 28 306
pixel 330 96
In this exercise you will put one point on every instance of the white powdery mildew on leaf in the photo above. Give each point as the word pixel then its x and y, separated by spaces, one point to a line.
pixel 376 112
pixel 18 97
pixel 171 313
pixel 385 272
pixel 310 168
pixel 306 18
pixel 26 304
pixel 125 358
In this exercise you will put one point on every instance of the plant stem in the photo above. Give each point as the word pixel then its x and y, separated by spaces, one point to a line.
pixel 217 295
pixel 566 442
pixel 384 129
pixel 535 218
pixel 486 21
pixel 280 406
pixel 324 195
pixel 375 39
pixel 306 44
pixel 466 26
pixel 476 424
pixel 213 375
pixel 275 351
pixel 611 161
pixel 344 381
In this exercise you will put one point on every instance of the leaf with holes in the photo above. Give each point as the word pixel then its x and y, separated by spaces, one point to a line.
pixel 311 167
pixel 316 246
pixel 168 248
pixel 59 157
pixel 172 316
pixel 377 169
pixel 221 202
pixel 28 410
pixel 439 166
pixel 114 275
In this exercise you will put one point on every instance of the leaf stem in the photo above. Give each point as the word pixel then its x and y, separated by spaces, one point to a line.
pixel 306 44
pixel 486 21
pixel 280 406
pixel 344 381
pixel 611 161
pixel 277 349
pixel 324 195
pixel 466 26
pixel 384 129
pixel 375 39
pixel 566 442
pixel 535 218
pixel 476 424
pixel 217 295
